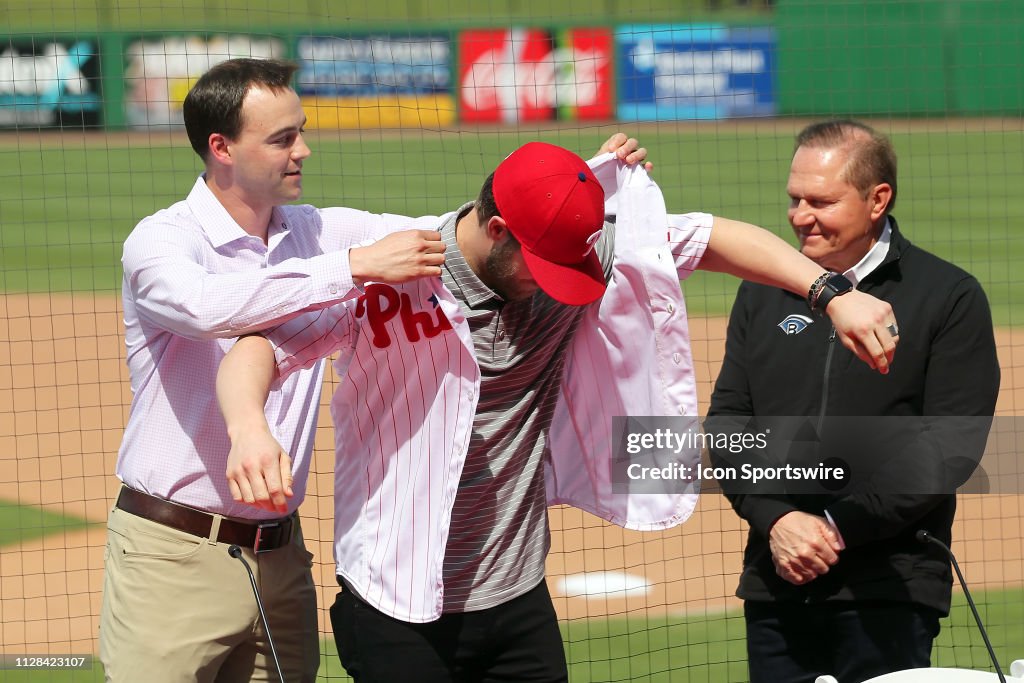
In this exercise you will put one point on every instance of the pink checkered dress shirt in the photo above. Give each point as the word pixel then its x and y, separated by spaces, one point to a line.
pixel 193 282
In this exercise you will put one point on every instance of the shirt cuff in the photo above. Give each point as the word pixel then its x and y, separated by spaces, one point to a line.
pixel 839 535
pixel 334 277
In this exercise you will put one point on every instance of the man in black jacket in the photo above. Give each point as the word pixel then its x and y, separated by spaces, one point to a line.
pixel 836 582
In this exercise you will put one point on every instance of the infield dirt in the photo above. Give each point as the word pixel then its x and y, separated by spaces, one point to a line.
pixel 64 397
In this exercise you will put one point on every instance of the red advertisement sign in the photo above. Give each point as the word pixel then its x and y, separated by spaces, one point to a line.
pixel 593 51
pixel 533 75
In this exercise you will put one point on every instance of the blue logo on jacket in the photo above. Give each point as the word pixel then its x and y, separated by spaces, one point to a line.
pixel 795 323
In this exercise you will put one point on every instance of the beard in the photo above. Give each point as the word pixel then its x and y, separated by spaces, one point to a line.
pixel 500 272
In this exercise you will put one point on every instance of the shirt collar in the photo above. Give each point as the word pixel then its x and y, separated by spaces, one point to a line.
pixel 218 224
pixel 467 286
pixel 874 258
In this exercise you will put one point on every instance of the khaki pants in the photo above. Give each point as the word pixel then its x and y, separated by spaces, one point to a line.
pixel 179 608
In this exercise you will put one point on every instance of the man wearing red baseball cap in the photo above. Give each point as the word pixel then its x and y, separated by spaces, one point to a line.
pixel 554 207
pixel 448 416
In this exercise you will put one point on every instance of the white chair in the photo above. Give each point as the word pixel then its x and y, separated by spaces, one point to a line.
pixel 936 675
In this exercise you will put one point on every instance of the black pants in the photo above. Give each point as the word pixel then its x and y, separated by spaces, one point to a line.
pixel 518 641
pixel 796 643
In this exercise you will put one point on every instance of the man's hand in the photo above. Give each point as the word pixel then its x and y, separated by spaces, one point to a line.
pixel 627 149
pixel 259 471
pixel 863 324
pixel 803 546
pixel 398 257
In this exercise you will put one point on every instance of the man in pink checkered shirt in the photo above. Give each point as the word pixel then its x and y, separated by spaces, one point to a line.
pixel 231 258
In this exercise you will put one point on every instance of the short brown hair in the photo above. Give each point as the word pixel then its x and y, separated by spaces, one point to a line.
pixel 214 104
pixel 872 159
pixel 486 207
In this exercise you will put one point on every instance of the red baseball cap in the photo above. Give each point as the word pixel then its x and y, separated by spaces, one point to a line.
pixel 554 206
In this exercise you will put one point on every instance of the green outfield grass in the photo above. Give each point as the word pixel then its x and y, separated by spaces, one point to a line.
pixel 712 649
pixel 66 206
pixel 238 15
pixel 695 649
pixel 21 523
pixel 960 644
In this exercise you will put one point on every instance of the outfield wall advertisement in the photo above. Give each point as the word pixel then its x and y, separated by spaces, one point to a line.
pixel 377 81
pixel 695 72
pixel 389 80
pixel 437 77
pixel 159 71
pixel 532 74
pixel 48 83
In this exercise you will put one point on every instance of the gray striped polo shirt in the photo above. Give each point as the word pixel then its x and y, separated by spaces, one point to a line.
pixel 499 533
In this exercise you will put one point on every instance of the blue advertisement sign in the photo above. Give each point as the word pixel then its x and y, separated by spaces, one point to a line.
pixel 695 71
pixel 48 83
pixel 374 65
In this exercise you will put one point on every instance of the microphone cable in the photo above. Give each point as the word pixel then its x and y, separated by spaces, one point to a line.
pixel 236 552
pixel 925 537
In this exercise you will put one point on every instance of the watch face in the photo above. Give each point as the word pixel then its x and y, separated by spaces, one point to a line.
pixel 839 284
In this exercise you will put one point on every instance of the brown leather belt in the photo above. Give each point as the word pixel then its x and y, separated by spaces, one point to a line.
pixel 261 536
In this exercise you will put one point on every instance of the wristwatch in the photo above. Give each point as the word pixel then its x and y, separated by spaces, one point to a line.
pixel 834 285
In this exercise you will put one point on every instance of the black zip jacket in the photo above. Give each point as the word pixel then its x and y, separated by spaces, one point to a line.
pixel 945 365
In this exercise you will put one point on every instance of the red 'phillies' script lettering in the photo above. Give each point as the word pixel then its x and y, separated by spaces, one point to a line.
pixel 381 303
pixel 412 319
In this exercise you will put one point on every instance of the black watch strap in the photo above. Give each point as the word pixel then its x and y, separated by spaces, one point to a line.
pixel 834 285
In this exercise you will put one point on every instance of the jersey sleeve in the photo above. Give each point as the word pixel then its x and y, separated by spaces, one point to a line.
pixel 688 236
pixel 301 341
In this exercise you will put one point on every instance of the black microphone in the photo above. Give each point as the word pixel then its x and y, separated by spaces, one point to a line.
pixel 925 537
pixel 236 552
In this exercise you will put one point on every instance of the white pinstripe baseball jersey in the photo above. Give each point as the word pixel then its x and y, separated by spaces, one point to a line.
pixel 404 414
pixel 194 280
